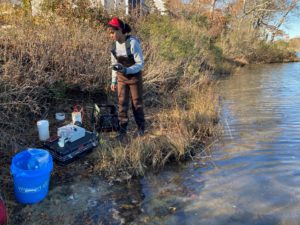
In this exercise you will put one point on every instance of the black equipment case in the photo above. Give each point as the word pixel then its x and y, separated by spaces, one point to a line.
pixel 105 118
pixel 72 150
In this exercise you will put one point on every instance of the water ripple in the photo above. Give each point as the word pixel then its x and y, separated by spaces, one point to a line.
pixel 255 175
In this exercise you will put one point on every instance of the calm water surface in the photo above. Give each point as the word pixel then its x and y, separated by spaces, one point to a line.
pixel 254 177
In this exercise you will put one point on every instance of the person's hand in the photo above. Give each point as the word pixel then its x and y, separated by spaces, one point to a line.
pixel 120 73
pixel 113 87
pixel 119 68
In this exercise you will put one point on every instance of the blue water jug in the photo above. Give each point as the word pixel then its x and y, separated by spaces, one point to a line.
pixel 31 169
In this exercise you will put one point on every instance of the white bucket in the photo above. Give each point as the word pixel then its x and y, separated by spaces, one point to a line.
pixel 43 128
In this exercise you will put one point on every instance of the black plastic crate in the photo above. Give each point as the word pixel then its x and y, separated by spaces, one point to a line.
pixel 105 118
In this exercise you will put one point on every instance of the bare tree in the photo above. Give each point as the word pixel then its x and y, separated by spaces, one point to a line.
pixel 212 9
pixel 263 16
pixel 289 8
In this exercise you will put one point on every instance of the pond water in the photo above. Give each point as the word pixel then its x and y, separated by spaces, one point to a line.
pixel 253 177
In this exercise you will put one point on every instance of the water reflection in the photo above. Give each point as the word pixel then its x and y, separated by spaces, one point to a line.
pixel 254 178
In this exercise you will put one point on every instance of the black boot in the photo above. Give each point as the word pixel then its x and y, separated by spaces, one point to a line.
pixel 122 132
pixel 140 131
pixel 120 137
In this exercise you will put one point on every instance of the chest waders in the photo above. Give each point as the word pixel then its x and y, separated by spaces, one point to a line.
pixel 130 88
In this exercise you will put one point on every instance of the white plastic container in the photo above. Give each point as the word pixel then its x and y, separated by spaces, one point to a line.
pixel 60 116
pixel 43 129
pixel 76 117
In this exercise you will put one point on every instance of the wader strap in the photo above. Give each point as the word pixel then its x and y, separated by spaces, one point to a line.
pixel 128 49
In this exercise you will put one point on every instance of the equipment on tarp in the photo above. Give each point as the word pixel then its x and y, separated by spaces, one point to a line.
pixel 70 133
pixel 72 141
pixel 72 150
pixel 105 118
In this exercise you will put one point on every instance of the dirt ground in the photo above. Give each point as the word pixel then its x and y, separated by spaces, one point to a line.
pixel 78 195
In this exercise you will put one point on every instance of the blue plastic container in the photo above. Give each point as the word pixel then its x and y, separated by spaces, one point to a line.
pixel 31 169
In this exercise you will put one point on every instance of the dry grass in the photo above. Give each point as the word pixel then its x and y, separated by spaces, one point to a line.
pixel 175 134
pixel 38 52
pixel 40 58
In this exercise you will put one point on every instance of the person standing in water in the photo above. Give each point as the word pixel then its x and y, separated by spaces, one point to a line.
pixel 127 64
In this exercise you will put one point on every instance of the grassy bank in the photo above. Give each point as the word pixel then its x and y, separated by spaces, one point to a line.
pixel 294 44
pixel 51 62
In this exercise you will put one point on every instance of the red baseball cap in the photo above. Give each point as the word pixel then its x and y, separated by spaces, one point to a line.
pixel 115 22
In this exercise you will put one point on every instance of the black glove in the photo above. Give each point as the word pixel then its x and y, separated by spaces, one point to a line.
pixel 119 68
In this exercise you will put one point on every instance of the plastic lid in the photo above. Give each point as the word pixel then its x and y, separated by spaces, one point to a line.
pixel 31 162
pixel 60 116
pixel 40 122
